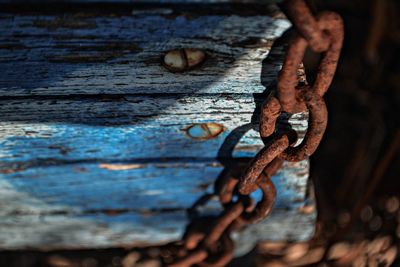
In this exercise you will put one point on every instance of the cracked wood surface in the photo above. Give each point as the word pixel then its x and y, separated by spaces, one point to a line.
pixel 95 149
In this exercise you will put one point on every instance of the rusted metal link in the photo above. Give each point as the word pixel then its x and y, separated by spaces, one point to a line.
pixel 264 207
pixel 267 173
pixel 273 167
pixel 288 81
pixel 267 161
pixel 332 23
pixel 317 122
pixel 194 235
pixel 227 192
pixel 306 24
pixel 194 257
pixel 212 248
pixel 261 160
pixel 223 222
pixel 295 98
pixel 270 112
pixel 202 247
pixel 224 256
pixel 207 242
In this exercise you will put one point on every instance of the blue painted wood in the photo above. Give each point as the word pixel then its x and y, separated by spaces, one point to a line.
pixel 94 149
pixel 136 128
pixel 91 186
pixel 77 54
pixel 135 143
pixel 131 201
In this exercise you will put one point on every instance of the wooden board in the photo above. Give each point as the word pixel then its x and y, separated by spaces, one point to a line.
pixel 135 128
pixel 78 54
pixel 94 143
pixel 89 206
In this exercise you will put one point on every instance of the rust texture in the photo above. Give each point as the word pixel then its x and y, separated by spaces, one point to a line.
pixel 306 24
pixel 292 97
pixel 262 159
pixel 207 242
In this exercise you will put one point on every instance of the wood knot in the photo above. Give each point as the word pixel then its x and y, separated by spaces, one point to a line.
pixel 204 131
pixel 184 59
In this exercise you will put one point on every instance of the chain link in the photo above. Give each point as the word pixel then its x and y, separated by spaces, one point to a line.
pixel 207 242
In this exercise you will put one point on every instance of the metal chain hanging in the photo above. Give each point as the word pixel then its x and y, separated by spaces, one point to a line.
pixel 207 243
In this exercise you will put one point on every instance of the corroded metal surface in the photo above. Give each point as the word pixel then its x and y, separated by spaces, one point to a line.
pixel 241 211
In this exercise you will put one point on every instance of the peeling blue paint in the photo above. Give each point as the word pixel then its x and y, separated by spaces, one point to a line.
pixel 33 68
pixel 71 142
pixel 55 157
pixel 88 186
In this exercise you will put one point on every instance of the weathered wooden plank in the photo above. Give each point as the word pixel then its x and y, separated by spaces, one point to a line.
pixel 133 207
pixel 135 143
pixel 43 141
pixel 134 188
pixel 138 128
pixel 78 54
pixel 93 149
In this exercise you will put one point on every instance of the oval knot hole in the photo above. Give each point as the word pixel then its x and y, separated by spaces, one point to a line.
pixel 184 59
pixel 204 131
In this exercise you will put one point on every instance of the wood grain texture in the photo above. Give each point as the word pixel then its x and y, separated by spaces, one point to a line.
pixel 137 128
pixel 74 54
pixel 94 148
pixel 90 206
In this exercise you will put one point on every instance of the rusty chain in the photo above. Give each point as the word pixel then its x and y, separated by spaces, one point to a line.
pixel 207 243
